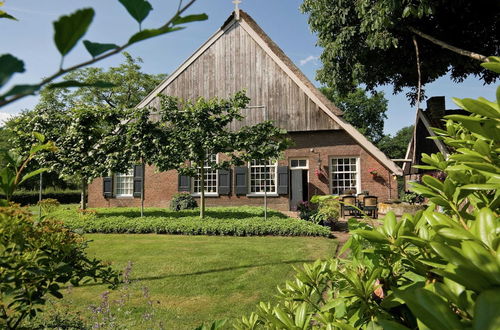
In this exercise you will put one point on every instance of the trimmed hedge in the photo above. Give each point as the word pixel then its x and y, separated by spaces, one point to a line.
pixel 31 197
pixel 221 221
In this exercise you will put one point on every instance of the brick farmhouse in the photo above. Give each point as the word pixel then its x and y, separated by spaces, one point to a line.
pixel 329 156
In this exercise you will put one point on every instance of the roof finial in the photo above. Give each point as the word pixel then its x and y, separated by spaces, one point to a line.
pixel 237 8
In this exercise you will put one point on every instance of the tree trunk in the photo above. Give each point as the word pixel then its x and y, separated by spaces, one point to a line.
pixel 83 202
pixel 142 188
pixel 202 192
pixel 445 45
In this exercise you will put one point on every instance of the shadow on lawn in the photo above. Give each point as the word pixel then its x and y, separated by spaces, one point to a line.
pixel 210 271
pixel 216 214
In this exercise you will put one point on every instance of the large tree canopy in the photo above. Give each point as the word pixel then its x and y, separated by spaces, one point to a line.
pixel 370 42
pixel 366 113
pixel 395 146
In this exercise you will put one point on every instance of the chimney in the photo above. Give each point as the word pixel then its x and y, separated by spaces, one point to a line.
pixel 436 107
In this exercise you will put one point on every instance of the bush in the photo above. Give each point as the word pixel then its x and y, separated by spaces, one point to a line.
pixel 306 210
pixel 431 270
pixel 328 208
pixel 31 197
pixel 234 221
pixel 48 205
pixel 36 259
pixel 182 201
pixel 411 197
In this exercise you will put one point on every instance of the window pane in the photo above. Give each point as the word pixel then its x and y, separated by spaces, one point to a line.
pixel 124 183
pixel 344 175
pixel 262 176
pixel 210 176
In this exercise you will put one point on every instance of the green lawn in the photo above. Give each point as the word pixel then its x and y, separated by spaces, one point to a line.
pixel 194 278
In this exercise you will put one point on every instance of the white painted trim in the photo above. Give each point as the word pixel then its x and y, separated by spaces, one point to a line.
pixel 184 65
pixel 363 141
pixel 249 181
pixel 358 172
pixel 298 167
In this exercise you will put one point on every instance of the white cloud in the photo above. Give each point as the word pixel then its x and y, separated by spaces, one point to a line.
pixel 308 59
pixel 4 117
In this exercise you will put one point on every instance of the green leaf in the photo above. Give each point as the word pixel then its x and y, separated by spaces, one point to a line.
pixel 74 83
pixel 8 16
pixel 95 48
pixel 32 174
pixel 146 34
pixel 430 309
pixel 480 186
pixel 480 108
pixel 486 315
pixel 8 66
pixel 371 235
pixel 190 18
pixel 391 325
pixel 390 223
pixel 21 90
pixel 138 9
pixel 69 29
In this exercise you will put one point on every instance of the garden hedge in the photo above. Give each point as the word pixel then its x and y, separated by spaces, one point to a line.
pixel 194 226
pixel 31 197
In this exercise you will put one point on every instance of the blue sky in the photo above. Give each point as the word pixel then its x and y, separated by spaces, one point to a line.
pixel 30 39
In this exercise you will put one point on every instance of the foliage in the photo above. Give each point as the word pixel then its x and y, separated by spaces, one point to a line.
pixel 395 146
pixel 431 270
pixel 328 208
pixel 182 201
pixel 69 30
pixel 366 113
pixel 370 42
pixel 87 124
pixel 11 174
pixel 27 197
pixel 306 210
pixel 48 205
pixel 36 258
pixel 194 130
pixel 411 197
pixel 237 221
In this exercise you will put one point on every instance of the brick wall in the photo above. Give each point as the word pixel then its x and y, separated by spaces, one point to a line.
pixel 317 147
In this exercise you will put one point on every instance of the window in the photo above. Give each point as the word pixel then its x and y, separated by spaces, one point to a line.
pixel 344 175
pixel 262 177
pixel 211 178
pixel 298 164
pixel 124 183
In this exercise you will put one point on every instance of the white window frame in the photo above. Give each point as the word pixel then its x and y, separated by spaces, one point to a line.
pixel 207 193
pixel 306 167
pixel 358 172
pixel 274 167
pixel 118 176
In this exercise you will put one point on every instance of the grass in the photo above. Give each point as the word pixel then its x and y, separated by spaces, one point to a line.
pixel 192 279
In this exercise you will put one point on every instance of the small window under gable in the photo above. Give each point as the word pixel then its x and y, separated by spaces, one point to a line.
pixel 344 174
pixel 263 176
pixel 211 177
pixel 124 184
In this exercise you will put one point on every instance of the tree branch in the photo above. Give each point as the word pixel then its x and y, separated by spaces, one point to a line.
pixel 93 60
pixel 445 45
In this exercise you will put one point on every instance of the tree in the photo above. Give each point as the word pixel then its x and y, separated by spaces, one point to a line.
pixel 366 113
pixel 395 146
pixel 87 124
pixel 373 42
pixel 68 30
pixel 198 129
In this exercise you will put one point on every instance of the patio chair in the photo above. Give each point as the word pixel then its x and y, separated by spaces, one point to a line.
pixel 370 206
pixel 348 203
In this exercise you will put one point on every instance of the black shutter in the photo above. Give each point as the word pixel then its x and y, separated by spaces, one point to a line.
pixel 138 177
pixel 240 180
pixel 107 186
pixel 283 180
pixel 224 182
pixel 184 183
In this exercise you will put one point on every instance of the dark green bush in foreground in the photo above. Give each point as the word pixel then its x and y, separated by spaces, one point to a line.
pixel 31 197
pixel 182 201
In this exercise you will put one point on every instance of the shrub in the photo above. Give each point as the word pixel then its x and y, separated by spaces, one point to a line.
pixel 431 270
pixel 36 258
pixel 328 208
pixel 48 205
pixel 306 210
pixel 196 226
pixel 411 197
pixel 182 201
pixel 31 197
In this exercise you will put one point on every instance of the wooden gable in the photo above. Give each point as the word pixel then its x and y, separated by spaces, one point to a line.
pixel 241 56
